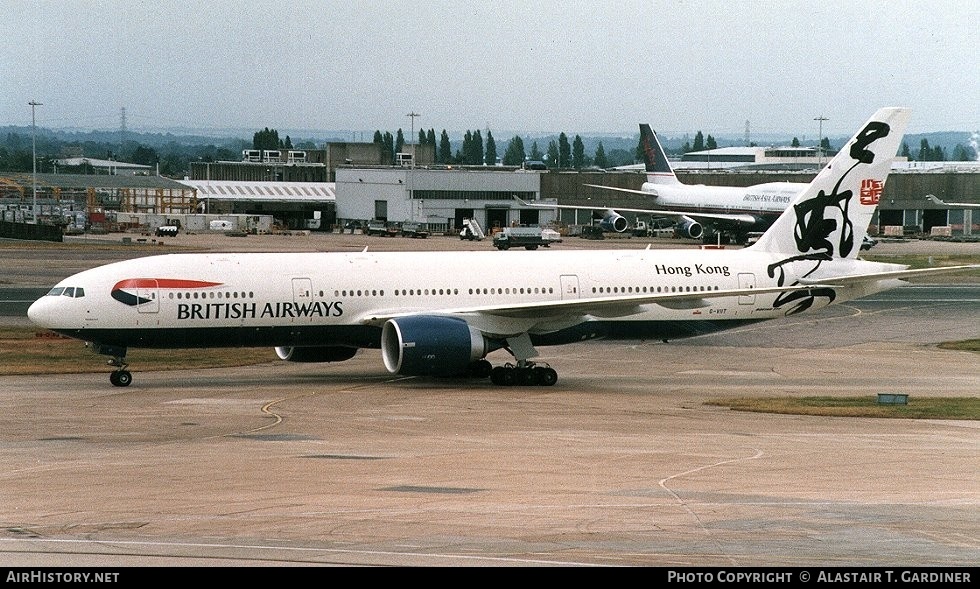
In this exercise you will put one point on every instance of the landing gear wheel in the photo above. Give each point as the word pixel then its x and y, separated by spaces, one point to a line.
pixel 502 375
pixel 545 376
pixel 523 376
pixel 121 378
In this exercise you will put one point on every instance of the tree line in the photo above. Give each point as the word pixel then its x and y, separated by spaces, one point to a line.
pixel 477 151
pixel 172 155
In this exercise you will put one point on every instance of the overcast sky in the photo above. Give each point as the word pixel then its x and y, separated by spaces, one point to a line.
pixel 508 66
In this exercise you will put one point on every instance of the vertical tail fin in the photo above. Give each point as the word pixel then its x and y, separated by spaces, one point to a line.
pixel 657 167
pixel 830 218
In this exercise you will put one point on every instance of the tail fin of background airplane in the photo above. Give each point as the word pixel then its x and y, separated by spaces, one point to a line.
pixel 657 167
pixel 830 218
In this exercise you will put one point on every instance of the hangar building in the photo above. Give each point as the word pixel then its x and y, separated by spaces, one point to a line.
pixel 440 197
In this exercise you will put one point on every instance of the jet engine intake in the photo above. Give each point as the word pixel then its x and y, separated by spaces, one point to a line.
pixel 432 346
pixel 689 228
pixel 613 221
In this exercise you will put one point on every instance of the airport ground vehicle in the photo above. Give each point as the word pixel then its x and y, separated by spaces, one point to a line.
pixel 167 231
pixel 381 228
pixel 413 229
pixel 529 238
pixel 472 230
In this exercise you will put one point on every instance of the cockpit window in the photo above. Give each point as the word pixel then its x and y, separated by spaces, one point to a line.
pixel 75 292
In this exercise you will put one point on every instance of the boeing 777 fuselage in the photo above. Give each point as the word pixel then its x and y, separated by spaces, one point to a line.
pixel 442 311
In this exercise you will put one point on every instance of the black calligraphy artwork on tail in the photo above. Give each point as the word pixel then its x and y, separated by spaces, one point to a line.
pixel 817 227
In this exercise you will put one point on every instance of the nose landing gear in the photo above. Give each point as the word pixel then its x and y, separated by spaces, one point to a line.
pixel 120 377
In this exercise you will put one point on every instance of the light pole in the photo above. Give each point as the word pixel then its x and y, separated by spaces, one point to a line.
pixel 412 115
pixel 411 194
pixel 34 104
pixel 821 118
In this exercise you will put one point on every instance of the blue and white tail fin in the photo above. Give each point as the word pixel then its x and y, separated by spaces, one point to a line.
pixel 657 167
pixel 830 218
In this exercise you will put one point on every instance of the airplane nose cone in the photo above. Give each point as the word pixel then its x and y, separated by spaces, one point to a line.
pixel 40 312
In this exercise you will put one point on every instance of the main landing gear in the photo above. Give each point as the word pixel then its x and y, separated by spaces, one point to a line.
pixel 527 374
pixel 523 373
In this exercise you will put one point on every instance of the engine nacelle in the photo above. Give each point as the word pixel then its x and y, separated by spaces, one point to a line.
pixel 316 354
pixel 613 221
pixel 425 345
pixel 689 228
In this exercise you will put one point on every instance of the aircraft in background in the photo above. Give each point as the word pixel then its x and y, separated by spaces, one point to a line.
pixel 956 205
pixel 443 313
pixel 699 211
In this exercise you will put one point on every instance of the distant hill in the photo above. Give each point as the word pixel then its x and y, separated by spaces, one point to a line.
pixel 229 139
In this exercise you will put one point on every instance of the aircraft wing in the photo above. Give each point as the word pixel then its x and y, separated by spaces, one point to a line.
pixel 675 214
pixel 832 281
pixel 521 317
pixel 652 192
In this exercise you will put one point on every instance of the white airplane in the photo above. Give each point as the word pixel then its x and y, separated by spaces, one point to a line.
pixel 700 211
pixel 442 313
